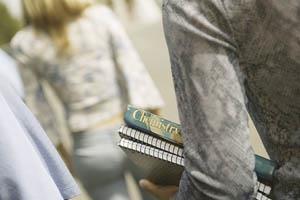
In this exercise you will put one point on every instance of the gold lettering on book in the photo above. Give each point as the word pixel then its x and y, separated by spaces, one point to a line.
pixel 134 115
pixel 154 122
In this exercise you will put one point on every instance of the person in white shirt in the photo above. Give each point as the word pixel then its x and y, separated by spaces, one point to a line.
pixel 82 51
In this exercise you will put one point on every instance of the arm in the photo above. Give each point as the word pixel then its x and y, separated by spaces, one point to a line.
pixel 140 89
pixel 35 94
pixel 27 154
pixel 219 160
pixel 10 69
pixel 38 103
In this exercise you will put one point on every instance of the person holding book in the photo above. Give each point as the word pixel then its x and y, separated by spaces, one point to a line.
pixel 82 51
pixel 231 58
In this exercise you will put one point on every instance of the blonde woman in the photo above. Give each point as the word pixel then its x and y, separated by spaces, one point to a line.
pixel 85 55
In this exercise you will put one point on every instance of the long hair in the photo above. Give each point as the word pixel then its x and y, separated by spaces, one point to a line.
pixel 52 16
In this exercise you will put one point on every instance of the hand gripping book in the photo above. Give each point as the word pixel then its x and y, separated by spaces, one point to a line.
pixel 155 145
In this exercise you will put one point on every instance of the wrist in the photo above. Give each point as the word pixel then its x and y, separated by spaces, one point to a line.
pixel 173 197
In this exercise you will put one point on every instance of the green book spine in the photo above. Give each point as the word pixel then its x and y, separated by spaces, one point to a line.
pixel 147 122
pixel 264 168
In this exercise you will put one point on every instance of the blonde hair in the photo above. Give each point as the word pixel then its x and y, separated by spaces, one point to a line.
pixel 52 16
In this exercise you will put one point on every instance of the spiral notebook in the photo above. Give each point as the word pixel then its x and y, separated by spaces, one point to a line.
pixel 158 166
pixel 150 140
pixel 161 161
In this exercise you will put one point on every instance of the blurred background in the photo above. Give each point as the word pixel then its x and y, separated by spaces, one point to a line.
pixel 143 25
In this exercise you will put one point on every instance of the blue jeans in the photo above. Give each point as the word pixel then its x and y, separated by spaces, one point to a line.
pixel 100 164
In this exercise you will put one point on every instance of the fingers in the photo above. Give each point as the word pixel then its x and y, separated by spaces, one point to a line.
pixel 147 185
pixel 161 192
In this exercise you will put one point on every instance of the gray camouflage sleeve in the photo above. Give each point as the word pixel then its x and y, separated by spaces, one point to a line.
pixel 219 160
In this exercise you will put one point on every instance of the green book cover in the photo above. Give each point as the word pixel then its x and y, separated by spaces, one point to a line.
pixel 153 124
pixel 264 168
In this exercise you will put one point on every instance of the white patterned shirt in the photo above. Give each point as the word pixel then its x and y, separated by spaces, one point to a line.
pixel 102 69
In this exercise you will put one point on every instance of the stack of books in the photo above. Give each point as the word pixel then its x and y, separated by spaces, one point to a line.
pixel 155 145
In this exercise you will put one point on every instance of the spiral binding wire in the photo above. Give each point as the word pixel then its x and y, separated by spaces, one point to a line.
pixel 151 140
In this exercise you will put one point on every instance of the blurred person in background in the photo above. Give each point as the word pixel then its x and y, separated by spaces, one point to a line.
pixel 30 166
pixel 143 23
pixel 28 86
pixel 43 105
pixel 142 20
pixel 9 70
pixel 25 151
pixel 82 51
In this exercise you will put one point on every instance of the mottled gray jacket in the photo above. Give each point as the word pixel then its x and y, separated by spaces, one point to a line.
pixel 229 58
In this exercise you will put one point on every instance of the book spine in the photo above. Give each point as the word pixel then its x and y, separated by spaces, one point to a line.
pixel 152 124
pixel 264 168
